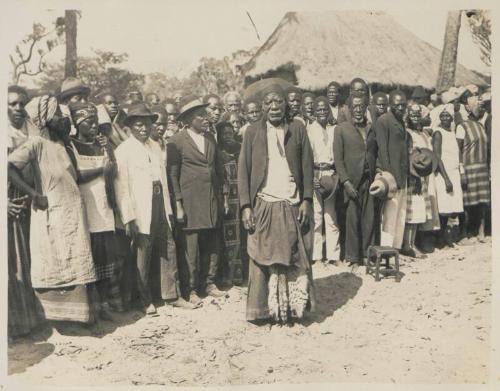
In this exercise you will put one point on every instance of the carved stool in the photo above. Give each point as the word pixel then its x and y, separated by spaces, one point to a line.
pixel 375 255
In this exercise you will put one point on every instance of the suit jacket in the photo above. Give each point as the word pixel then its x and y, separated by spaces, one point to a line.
pixel 351 154
pixel 345 114
pixel 252 165
pixel 392 143
pixel 197 179
pixel 133 183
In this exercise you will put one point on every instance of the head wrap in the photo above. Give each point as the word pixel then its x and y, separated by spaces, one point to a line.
pixel 82 111
pixel 41 109
pixel 449 108
pixel 320 99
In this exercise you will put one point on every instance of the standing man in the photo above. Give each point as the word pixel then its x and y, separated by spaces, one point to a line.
pixel 392 143
pixel 358 86
pixel 275 184
pixel 320 135
pixel 354 150
pixel 333 94
pixel 172 123
pixel 213 109
pixel 379 105
pixel 144 205
pixel 197 176
pixel 293 103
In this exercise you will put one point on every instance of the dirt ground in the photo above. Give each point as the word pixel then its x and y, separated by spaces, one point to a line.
pixel 432 327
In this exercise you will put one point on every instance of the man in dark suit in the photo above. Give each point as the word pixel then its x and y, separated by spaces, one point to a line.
pixel 392 143
pixel 357 86
pixel 275 184
pixel 197 177
pixel 354 152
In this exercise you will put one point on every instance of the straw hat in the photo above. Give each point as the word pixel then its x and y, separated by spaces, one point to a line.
pixel 188 105
pixel 384 185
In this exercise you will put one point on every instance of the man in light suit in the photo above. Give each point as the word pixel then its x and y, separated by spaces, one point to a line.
pixel 144 206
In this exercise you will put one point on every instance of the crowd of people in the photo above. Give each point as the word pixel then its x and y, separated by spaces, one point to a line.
pixel 120 205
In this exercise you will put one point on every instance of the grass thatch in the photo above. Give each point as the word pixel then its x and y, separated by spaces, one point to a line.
pixel 342 45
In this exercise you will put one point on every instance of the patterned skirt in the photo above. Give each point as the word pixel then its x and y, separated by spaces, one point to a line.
pixel 478 184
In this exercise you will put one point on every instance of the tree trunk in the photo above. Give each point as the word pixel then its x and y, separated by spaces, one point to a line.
pixel 448 65
pixel 71 56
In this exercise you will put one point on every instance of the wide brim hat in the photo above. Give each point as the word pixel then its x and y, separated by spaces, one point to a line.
pixel 328 185
pixel 72 86
pixel 189 104
pixel 452 94
pixel 139 110
pixel 423 162
pixel 384 185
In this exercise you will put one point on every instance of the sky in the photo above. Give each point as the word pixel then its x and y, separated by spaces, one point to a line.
pixel 171 37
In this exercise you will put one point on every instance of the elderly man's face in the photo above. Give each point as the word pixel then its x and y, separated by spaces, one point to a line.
pixel 333 95
pixel 381 105
pixel 293 101
pixel 16 112
pixel 141 128
pixel 236 121
pixel 274 106
pixel 199 120
pixel 253 112
pixel 233 104
pixel 358 110
pixel 398 106
pixel 111 105
pixel 321 113
pixel 214 110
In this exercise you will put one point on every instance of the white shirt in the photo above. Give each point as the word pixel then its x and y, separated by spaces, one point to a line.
pixel 322 151
pixel 279 184
pixel 335 111
pixel 199 140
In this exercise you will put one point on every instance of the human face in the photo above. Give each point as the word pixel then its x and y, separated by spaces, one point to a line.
pixel 141 128
pixel 214 110
pixel 253 112
pixel 398 106
pixel 16 112
pixel 177 98
pixel 233 104
pixel 359 87
pixel 154 100
pixel 87 130
pixel 172 113
pixel 199 120
pixel 111 105
pixel 59 126
pixel 77 98
pixel 358 110
pixel 333 95
pixel 321 113
pixel 235 121
pixel 293 101
pixel 159 127
pixel 228 135
pixel 309 105
pixel 274 106
pixel 446 120
pixel 414 117
pixel 381 105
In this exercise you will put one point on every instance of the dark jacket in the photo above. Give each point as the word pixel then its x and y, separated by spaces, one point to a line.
pixel 252 166
pixel 392 142
pixel 351 155
pixel 197 179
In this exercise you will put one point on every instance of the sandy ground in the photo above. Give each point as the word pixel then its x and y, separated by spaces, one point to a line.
pixel 432 327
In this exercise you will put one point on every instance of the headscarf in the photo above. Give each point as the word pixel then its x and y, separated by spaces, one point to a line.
pixel 449 108
pixel 82 111
pixel 41 110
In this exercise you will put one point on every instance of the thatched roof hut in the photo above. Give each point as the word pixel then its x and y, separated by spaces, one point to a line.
pixel 313 48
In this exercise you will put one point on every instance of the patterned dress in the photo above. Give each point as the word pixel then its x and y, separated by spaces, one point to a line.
pixel 475 161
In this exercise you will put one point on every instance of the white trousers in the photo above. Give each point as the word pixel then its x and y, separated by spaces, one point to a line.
pixel 394 220
pixel 324 213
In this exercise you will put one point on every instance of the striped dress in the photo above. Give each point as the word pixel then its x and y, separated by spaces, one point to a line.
pixel 475 161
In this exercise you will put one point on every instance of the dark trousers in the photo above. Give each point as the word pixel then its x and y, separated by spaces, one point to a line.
pixel 156 258
pixel 124 254
pixel 203 246
pixel 360 223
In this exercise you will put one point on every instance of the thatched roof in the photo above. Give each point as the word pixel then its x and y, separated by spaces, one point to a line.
pixel 341 45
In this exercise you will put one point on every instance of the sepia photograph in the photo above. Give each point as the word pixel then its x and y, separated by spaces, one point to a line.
pixel 248 193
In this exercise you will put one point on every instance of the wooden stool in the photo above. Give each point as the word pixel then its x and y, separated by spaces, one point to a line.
pixel 375 254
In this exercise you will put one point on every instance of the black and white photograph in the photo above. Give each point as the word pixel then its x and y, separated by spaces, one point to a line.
pixel 249 193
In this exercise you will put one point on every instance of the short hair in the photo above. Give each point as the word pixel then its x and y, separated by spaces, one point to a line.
pixel 333 83
pixel 17 90
pixel 377 95
pixel 293 90
pixel 358 80
pixel 320 99
pixel 356 95
pixel 207 97
pixel 395 93
pixel 228 94
pixel 252 100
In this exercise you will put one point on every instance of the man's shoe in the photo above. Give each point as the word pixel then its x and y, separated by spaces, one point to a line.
pixel 213 291
pixel 195 299
pixel 181 303
pixel 409 252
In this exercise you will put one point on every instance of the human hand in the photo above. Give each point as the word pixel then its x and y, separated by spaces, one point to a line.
pixel 102 140
pixel 463 181
pixel 16 206
pixel 248 219
pixel 350 190
pixel 40 201
pixel 449 186
pixel 180 215
pixel 305 213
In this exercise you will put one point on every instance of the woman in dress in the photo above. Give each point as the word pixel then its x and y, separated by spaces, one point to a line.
pixel 475 173
pixel 62 269
pixel 449 193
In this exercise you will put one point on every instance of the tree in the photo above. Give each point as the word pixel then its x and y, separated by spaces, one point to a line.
pixel 28 58
pixel 480 26
pixel 448 65
pixel 70 17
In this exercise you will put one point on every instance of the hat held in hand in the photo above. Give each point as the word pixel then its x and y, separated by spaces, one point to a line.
pixel 328 186
pixel 423 162
pixel 384 185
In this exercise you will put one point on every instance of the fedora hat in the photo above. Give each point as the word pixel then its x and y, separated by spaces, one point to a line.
pixel 188 104
pixel 423 162
pixel 72 86
pixel 139 110
pixel 328 186
pixel 384 185
pixel 418 92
